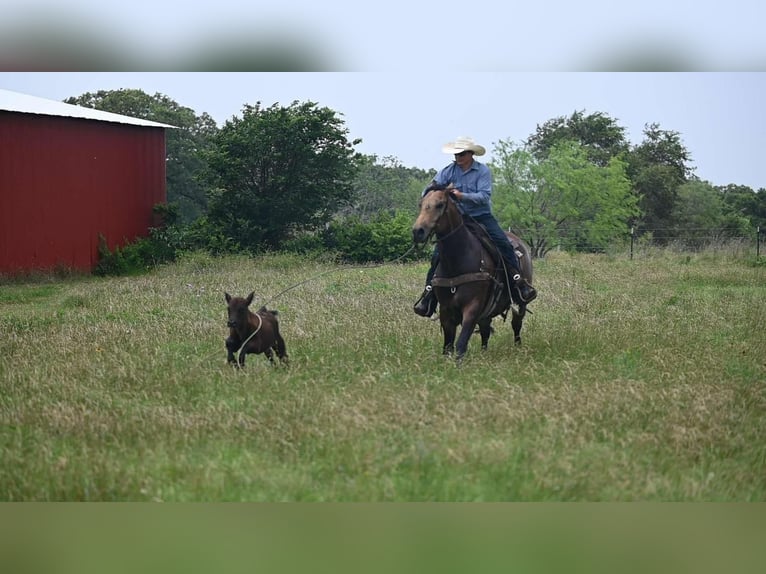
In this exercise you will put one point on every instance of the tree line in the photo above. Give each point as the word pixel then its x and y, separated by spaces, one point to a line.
pixel 287 177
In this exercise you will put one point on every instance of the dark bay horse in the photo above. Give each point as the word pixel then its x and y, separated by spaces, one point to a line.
pixel 470 281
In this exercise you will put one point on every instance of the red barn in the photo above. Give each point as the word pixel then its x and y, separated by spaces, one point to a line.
pixel 68 174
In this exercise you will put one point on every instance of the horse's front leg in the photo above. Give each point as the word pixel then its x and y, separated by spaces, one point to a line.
pixel 449 327
pixel 469 323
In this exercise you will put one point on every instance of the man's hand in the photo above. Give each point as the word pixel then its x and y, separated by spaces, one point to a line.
pixel 456 194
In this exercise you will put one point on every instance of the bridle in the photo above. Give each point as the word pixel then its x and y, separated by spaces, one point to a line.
pixel 443 212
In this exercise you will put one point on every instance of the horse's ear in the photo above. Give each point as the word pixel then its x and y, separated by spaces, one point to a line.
pixel 228 297
pixel 250 297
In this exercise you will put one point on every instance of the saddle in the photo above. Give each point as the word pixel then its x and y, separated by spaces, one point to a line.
pixel 480 233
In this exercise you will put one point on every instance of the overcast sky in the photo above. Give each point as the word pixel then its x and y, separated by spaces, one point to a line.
pixel 428 35
pixel 721 116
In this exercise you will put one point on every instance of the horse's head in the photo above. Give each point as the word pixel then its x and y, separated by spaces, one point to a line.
pixel 437 202
pixel 238 309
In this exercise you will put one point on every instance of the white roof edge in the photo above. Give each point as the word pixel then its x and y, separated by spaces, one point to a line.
pixel 23 103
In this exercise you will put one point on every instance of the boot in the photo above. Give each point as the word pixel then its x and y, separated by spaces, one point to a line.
pixel 523 290
pixel 426 305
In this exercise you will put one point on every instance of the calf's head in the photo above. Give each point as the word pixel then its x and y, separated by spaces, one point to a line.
pixel 238 309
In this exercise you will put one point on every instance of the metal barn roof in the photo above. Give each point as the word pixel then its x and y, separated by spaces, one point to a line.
pixel 16 102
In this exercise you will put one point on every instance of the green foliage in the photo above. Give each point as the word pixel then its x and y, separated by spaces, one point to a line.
pixel 201 235
pixel 130 259
pixel 161 246
pixel 564 200
pixel 598 134
pixel 385 237
pixel 386 186
pixel 277 171
pixel 657 168
pixel 308 244
pixel 700 216
pixel 742 201
pixel 185 146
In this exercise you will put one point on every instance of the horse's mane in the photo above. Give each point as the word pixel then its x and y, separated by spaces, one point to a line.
pixel 433 186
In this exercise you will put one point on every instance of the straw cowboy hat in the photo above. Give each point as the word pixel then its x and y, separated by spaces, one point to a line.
pixel 463 143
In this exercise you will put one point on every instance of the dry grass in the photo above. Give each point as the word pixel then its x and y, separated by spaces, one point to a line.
pixel 636 380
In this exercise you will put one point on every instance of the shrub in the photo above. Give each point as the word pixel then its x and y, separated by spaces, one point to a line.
pixel 386 237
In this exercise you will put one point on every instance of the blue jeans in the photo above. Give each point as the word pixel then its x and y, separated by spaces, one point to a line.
pixel 499 238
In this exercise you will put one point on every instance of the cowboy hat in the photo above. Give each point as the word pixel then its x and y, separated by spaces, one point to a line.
pixel 463 143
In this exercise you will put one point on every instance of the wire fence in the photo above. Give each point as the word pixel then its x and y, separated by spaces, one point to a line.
pixel 724 241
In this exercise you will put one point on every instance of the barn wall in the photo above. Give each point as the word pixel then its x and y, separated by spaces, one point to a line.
pixel 65 180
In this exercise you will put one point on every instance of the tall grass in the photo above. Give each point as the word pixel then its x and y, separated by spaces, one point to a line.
pixel 636 380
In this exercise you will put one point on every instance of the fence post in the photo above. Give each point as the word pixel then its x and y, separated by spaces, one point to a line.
pixel 632 234
pixel 758 242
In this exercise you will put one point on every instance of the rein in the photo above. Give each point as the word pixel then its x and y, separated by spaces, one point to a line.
pixel 451 233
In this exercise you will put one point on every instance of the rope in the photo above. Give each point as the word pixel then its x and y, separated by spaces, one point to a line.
pixel 291 287
pixel 373 266
pixel 242 346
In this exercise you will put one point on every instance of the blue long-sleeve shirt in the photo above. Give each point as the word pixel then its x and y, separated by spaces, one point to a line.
pixel 475 184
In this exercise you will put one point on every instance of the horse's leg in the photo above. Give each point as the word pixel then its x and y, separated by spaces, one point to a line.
pixel 449 327
pixel 516 323
pixel 470 314
pixel 485 329
pixel 269 355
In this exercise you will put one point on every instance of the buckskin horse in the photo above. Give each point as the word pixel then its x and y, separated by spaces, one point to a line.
pixel 470 281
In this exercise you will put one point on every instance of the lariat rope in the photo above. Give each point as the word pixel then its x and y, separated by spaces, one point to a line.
pixel 242 346
pixel 291 287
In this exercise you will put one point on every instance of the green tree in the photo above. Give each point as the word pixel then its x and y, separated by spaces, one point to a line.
pixel 564 199
pixel 743 201
pixel 184 146
pixel 657 167
pixel 597 133
pixel 698 213
pixel 701 215
pixel 279 170
pixel 386 186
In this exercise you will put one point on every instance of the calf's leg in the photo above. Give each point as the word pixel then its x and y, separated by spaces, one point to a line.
pixel 280 348
pixel 232 344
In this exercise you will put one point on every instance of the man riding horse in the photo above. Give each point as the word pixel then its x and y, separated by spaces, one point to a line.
pixel 471 187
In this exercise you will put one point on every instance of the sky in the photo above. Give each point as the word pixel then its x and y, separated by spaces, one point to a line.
pixel 432 36
pixel 721 117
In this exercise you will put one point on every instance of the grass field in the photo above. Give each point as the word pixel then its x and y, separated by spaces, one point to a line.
pixel 640 380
